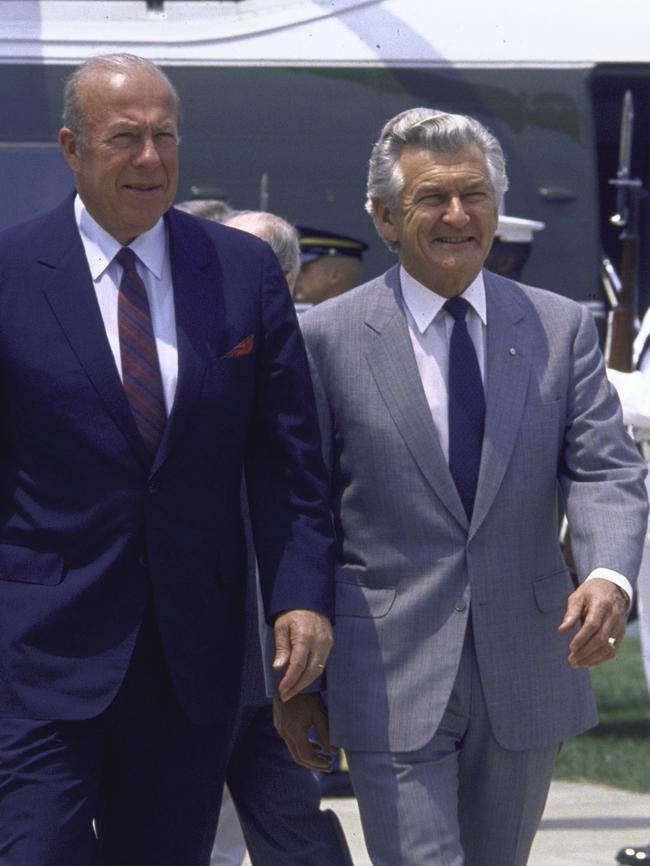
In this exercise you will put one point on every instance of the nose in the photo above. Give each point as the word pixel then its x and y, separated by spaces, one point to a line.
pixel 147 153
pixel 455 214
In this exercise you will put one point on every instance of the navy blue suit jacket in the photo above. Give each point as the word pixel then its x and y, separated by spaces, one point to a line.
pixel 88 528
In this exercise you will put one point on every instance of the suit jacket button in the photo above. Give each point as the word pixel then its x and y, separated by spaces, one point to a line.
pixel 153 487
pixel 461 604
pixel 142 560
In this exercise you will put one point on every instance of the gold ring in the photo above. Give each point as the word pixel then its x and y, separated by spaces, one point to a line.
pixel 612 642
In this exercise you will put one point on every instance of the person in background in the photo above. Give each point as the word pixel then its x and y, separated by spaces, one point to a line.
pixel 276 800
pixel 281 236
pixel 214 209
pixel 511 246
pixel 456 406
pixel 337 259
pixel 148 359
pixel 330 265
pixel 634 393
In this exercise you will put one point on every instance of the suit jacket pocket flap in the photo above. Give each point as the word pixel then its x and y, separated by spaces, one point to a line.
pixel 353 599
pixel 551 591
pixel 24 565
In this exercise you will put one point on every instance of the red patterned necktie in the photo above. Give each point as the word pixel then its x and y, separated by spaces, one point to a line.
pixel 140 368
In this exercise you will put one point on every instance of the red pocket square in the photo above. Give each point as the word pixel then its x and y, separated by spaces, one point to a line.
pixel 243 348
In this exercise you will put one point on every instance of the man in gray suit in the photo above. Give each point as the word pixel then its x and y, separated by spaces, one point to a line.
pixel 456 408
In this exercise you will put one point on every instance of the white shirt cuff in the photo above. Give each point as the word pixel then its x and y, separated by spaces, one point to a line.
pixel 614 577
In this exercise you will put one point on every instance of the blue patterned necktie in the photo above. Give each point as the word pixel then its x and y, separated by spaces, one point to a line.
pixel 466 406
pixel 140 367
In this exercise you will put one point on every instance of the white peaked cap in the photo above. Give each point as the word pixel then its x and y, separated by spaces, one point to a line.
pixel 517 230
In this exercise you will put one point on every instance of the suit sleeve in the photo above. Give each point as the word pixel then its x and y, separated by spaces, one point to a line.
pixel 601 472
pixel 323 409
pixel 285 473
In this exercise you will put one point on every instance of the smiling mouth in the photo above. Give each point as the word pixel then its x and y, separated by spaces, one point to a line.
pixel 145 189
pixel 454 241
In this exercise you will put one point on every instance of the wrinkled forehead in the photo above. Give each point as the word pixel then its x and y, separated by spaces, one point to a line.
pixel 427 157
pixel 464 166
pixel 114 92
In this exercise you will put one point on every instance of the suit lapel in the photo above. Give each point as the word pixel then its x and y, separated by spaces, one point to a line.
pixel 394 369
pixel 68 288
pixel 507 373
pixel 198 304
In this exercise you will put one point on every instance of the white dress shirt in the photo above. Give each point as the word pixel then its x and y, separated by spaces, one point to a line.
pixel 430 328
pixel 634 388
pixel 153 266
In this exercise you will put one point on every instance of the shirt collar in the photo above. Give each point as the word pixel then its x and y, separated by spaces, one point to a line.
pixel 424 305
pixel 150 247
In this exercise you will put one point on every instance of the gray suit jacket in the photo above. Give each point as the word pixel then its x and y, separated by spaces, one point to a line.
pixel 410 566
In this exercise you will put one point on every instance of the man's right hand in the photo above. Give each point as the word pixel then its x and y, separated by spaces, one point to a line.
pixel 303 640
pixel 293 719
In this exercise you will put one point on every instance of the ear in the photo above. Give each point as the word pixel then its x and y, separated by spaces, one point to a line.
pixel 384 221
pixel 70 148
pixel 334 273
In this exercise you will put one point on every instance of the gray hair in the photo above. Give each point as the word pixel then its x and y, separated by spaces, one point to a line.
pixel 438 132
pixel 73 103
pixel 214 209
pixel 281 236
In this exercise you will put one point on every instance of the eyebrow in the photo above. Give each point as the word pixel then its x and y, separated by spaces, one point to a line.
pixel 131 125
pixel 438 188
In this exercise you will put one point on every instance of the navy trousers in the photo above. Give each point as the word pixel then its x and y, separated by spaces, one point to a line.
pixel 278 802
pixel 139 785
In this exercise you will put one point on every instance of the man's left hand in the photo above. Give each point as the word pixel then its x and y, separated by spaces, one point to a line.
pixel 303 639
pixel 293 721
pixel 602 608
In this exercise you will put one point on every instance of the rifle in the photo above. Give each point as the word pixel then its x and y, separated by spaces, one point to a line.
pixel 622 293
pixel 622 319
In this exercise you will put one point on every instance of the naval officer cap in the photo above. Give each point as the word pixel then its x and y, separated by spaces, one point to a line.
pixel 512 244
pixel 516 230
pixel 315 243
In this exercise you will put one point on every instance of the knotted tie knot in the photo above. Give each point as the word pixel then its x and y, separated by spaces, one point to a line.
pixel 457 308
pixel 126 258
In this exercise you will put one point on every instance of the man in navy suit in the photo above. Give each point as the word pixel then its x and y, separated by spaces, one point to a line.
pixel 138 386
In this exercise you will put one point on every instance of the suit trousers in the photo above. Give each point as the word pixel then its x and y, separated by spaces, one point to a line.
pixel 138 785
pixel 462 799
pixel 278 802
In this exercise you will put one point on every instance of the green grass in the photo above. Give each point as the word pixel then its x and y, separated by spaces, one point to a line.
pixel 617 751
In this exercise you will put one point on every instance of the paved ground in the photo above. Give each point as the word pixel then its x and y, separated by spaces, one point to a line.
pixel 583 825
pixel 588 824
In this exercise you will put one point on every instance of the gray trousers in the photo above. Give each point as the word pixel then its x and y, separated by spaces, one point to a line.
pixel 461 800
